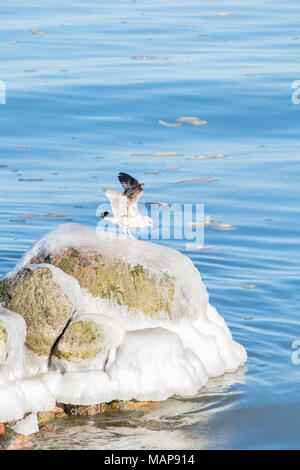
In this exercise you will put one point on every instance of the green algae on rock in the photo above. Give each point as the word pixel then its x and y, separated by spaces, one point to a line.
pixel 3 332
pixel 108 277
pixel 92 410
pixel 3 339
pixel 82 340
pixel 35 295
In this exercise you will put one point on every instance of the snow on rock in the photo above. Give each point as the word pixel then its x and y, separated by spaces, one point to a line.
pixel 121 319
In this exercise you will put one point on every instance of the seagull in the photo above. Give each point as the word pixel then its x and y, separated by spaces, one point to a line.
pixel 124 205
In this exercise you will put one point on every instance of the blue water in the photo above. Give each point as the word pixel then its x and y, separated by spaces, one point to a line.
pixel 83 101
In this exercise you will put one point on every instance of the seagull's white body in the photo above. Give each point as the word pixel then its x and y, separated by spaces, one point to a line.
pixel 125 205
pixel 124 214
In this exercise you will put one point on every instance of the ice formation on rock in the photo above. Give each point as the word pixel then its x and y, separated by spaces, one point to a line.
pixel 162 339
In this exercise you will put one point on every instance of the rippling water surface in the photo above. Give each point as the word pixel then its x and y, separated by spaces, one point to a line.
pixel 86 85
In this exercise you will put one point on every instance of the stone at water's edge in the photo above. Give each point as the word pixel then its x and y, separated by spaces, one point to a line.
pixel 110 277
pixel 15 441
pixel 11 440
pixel 45 417
pixel 91 410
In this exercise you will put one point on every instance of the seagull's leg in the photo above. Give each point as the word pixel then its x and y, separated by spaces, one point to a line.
pixel 129 234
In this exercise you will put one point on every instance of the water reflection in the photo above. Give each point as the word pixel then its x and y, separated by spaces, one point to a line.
pixel 173 424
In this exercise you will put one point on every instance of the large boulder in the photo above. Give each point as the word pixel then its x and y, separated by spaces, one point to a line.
pixel 120 319
pixel 144 277
pixel 107 276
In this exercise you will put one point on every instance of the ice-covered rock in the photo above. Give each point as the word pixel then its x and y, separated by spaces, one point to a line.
pixel 142 276
pixel 121 319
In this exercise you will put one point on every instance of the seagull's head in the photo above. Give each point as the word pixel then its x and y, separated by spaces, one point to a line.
pixel 149 222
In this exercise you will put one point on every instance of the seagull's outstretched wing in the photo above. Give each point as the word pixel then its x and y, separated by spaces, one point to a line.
pixel 132 190
pixel 118 202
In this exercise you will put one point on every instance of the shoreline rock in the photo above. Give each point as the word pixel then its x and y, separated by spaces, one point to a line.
pixel 127 323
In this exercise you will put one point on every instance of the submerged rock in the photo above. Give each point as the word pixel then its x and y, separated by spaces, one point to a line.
pixel 12 344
